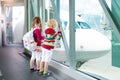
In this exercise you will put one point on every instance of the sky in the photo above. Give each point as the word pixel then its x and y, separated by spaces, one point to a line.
pixel 84 6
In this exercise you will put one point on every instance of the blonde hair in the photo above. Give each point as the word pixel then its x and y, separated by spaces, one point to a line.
pixel 52 23
pixel 37 21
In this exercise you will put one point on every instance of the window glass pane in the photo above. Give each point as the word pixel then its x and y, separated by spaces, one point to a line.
pixel 61 55
pixel 94 37
pixel 96 54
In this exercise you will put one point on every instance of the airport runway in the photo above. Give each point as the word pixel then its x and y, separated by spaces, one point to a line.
pixel 103 67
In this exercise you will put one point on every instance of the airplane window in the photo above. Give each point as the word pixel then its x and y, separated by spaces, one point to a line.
pixel 83 25
pixel 77 26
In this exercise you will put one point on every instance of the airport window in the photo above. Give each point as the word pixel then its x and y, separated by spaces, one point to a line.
pixel 93 41
pixel 92 55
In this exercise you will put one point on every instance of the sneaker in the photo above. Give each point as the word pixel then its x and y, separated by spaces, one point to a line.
pixel 46 74
pixel 41 72
pixel 31 69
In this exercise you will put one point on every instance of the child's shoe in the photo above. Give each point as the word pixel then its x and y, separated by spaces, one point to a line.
pixel 31 69
pixel 41 72
pixel 46 74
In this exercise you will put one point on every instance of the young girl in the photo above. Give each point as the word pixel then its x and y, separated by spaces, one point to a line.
pixel 37 33
pixel 48 46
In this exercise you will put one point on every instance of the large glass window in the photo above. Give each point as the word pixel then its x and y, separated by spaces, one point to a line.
pixel 93 36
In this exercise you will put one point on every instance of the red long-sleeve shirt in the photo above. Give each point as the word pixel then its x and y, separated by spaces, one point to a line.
pixel 38 37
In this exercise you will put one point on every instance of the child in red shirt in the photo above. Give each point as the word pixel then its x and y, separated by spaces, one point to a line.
pixel 36 54
pixel 48 46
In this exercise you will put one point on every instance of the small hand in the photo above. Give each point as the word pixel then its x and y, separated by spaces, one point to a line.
pixel 39 50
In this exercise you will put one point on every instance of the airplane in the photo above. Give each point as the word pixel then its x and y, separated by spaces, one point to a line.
pixel 89 43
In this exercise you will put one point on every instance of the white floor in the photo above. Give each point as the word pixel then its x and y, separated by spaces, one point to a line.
pixel 102 67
